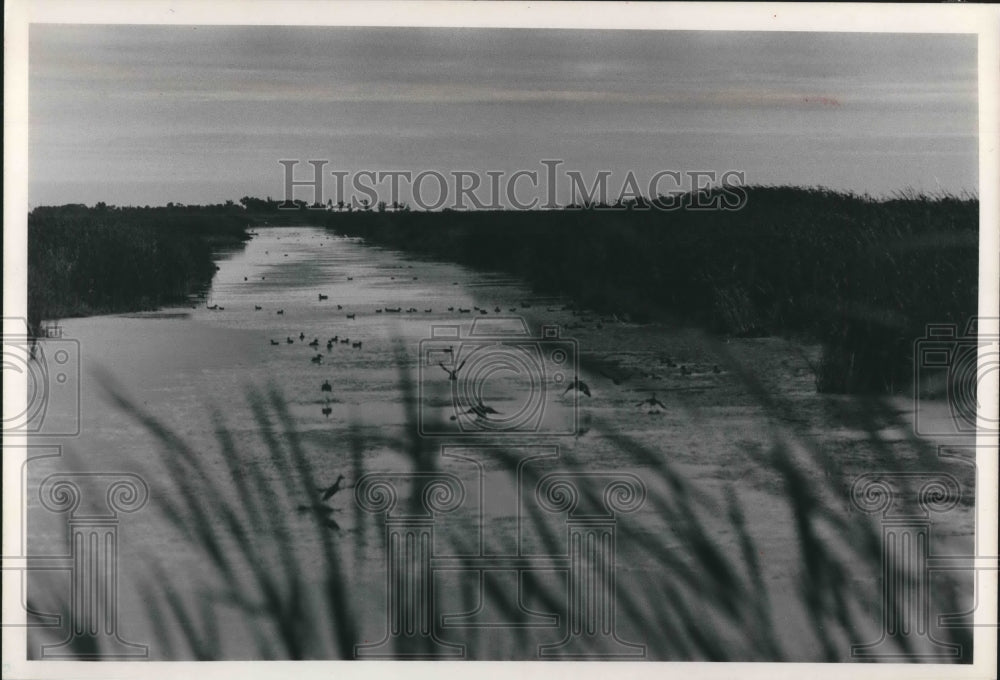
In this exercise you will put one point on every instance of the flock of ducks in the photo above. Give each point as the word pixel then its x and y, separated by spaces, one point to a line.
pixel 651 405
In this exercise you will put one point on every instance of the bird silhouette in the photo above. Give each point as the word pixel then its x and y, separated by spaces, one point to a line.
pixel 652 402
pixel 326 386
pixel 579 385
pixel 289 341
pixel 323 297
pixel 452 375
pixel 481 410
pixel 351 316
pixel 257 308
pixel 280 311
pixel 318 359
pixel 302 336
pixel 275 342
pixel 329 491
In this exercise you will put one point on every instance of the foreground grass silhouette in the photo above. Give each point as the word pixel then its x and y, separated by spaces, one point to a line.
pixel 711 604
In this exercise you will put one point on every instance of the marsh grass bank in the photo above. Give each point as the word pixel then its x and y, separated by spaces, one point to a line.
pixel 98 260
pixel 861 276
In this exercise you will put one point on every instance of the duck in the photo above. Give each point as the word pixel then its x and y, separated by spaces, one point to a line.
pixel 481 410
pixel 330 491
pixel 356 345
pixel 280 311
pixel 257 308
pixel 302 336
pixel 323 297
pixel 351 315
pixel 452 375
pixel 326 386
pixel 344 341
pixel 578 385
pixel 314 343
pixel 275 342
pixel 652 403
pixel 289 341
pixel 318 359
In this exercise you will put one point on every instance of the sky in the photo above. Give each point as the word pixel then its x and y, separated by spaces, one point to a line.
pixel 136 115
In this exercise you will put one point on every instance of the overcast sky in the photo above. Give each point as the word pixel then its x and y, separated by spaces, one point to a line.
pixel 151 114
